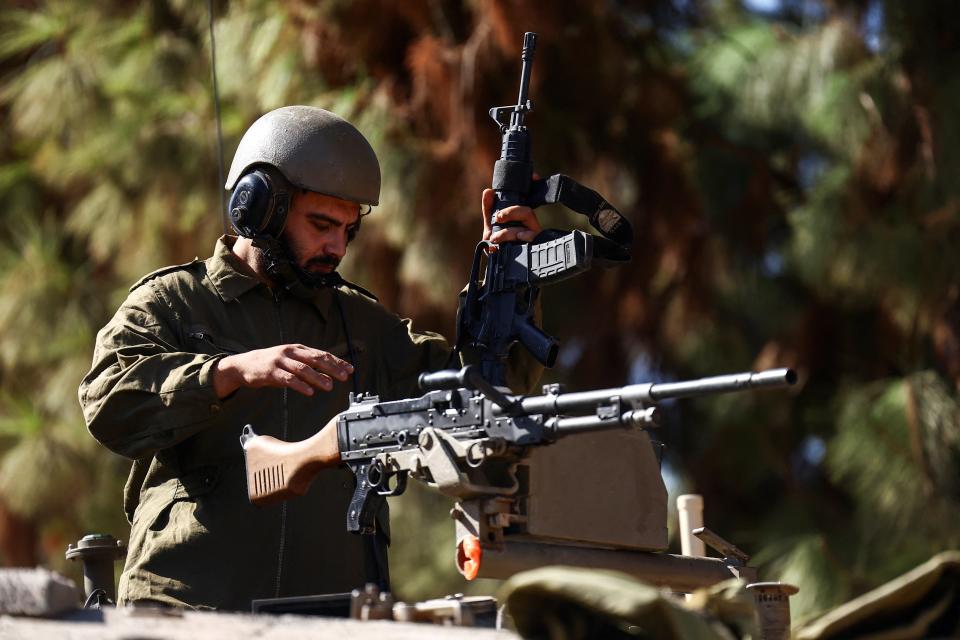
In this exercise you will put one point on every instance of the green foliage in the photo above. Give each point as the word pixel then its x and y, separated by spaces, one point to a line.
pixel 806 561
pixel 789 177
pixel 871 454
pixel 758 77
pixel 882 453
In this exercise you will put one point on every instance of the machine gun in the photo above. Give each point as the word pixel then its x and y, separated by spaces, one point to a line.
pixel 463 436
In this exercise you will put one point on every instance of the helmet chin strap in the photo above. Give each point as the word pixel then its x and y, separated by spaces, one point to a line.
pixel 282 268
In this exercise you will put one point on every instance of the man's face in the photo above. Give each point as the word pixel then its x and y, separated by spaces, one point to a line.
pixel 318 230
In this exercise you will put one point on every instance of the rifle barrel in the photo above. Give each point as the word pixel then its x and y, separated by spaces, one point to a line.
pixel 529 46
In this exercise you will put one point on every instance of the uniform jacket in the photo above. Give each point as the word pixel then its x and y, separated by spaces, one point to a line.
pixel 195 539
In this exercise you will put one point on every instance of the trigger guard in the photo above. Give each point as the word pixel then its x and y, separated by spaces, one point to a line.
pixel 401 486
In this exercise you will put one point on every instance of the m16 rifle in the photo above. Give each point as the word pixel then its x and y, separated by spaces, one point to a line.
pixel 500 311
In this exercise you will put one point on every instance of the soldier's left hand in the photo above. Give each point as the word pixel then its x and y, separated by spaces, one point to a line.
pixel 524 215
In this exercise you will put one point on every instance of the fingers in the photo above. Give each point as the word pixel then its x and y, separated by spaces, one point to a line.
pixel 305 369
pixel 523 215
pixel 486 206
pixel 529 224
pixel 322 361
pixel 526 233
pixel 294 366
pixel 305 378
pixel 513 234
pixel 285 378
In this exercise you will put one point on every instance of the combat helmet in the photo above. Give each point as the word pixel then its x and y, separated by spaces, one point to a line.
pixel 297 146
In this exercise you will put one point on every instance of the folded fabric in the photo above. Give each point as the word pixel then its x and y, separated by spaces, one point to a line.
pixel 567 603
pixel 922 603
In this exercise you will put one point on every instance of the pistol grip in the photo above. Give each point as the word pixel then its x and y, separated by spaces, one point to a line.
pixel 366 501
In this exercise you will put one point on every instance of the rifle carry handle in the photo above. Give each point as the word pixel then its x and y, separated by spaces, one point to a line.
pixel 446 379
pixel 278 470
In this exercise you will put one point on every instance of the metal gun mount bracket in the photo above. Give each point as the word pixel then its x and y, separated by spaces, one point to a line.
pixel 731 554
pixel 456 610
pixel 455 467
pixel 98 552
pixel 772 598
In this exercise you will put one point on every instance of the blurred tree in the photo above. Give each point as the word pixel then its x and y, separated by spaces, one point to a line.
pixel 852 281
pixel 787 165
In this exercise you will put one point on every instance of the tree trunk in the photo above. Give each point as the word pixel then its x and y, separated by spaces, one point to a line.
pixel 18 539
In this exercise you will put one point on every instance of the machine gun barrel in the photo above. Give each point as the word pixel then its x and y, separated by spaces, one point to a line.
pixel 768 379
pixel 636 394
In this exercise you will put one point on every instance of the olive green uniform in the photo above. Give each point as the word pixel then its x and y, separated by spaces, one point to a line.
pixel 195 539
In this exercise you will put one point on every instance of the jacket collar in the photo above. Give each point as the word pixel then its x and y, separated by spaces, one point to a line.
pixel 231 279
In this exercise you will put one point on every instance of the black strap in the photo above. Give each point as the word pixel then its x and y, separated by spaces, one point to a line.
pixel 469 301
pixel 282 270
pixel 346 332
pixel 617 233
pixel 512 175
pixel 335 280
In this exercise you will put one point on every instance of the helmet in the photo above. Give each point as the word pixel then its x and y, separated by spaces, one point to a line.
pixel 315 150
pixel 300 146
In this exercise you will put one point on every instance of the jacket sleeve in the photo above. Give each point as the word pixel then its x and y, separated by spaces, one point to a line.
pixel 143 392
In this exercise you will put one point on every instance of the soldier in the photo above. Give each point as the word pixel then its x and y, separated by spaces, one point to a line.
pixel 263 332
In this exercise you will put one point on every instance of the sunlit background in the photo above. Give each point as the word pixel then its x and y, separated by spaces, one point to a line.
pixel 790 168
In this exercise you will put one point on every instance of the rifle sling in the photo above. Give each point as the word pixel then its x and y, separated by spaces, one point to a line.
pixel 617 233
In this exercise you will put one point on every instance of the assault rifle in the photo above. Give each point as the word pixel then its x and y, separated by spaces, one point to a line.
pixel 499 311
pixel 463 436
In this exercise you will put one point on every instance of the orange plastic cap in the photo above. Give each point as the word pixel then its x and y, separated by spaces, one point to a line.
pixel 468 557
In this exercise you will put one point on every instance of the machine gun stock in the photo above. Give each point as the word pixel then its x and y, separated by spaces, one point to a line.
pixel 278 470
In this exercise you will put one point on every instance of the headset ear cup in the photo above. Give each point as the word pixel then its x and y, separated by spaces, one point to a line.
pixel 280 205
pixel 250 204
pixel 259 204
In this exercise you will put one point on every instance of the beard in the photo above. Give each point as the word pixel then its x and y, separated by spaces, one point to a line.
pixel 318 262
pixel 316 271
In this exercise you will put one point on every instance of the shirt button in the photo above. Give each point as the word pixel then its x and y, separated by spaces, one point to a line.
pixel 215 408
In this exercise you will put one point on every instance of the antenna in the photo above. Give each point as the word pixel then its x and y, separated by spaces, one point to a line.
pixel 216 108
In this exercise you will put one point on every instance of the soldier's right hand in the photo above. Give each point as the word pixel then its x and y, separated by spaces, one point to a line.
pixel 294 366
